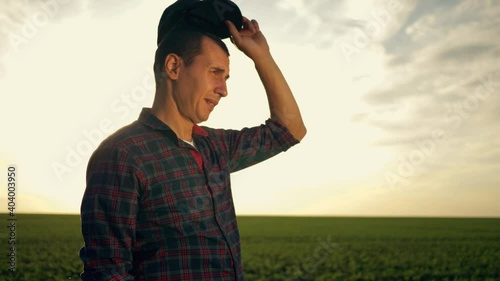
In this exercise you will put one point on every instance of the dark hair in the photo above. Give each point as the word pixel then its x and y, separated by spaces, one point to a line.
pixel 186 44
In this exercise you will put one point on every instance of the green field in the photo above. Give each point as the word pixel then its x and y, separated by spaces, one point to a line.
pixel 284 248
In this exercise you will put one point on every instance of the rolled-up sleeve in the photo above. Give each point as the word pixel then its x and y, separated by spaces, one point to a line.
pixel 250 146
pixel 108 214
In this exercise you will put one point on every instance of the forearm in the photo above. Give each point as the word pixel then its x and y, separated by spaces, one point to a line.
pixel 282 104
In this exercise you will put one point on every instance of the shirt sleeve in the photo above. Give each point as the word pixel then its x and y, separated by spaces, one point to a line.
pixel 250 146
pixel 108 214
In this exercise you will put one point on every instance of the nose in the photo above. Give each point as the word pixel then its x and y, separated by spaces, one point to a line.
pixel 221 89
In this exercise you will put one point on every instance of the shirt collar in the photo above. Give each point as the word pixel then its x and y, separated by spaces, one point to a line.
pixel 149 119
pixel 197 130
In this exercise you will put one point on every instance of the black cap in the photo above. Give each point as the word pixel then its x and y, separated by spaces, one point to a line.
pixel 203 15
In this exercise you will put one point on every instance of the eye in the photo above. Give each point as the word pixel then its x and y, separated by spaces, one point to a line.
pixel 218 73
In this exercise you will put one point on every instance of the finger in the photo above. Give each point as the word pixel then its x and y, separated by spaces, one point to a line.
pixel 231 27
pixel 248 27
pixel 235 35
pixel 256 24
pixel 253 27
pixel 247 24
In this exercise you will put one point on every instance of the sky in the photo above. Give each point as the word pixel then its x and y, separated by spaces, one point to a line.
pixel 401 100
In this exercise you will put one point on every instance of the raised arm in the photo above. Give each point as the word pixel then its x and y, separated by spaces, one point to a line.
pixel 282 104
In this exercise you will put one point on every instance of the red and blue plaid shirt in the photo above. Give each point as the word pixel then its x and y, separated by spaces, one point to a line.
pixel 151 212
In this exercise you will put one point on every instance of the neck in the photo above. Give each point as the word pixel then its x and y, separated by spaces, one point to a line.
pixel 165 109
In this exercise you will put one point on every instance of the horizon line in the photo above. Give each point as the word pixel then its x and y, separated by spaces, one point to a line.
pixel 303 216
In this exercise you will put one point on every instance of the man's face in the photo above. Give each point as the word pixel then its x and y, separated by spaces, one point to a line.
pixel 202 84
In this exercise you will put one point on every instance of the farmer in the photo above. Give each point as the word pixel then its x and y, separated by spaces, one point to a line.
pixel 158 202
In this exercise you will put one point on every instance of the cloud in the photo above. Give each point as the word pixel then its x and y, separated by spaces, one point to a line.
pixel 441 79
pixel 303 22
pixel 444 71
pixel 465 53
pixel 418 75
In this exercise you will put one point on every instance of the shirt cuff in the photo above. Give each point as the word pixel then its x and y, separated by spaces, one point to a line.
pixel 281 134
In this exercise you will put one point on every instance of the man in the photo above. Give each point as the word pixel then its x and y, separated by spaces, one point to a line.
pixel 158 203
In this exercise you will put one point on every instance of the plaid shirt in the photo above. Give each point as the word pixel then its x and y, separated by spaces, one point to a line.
pixel 151 212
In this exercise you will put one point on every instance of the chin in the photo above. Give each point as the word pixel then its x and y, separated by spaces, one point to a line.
pixel 205 118
pixel 201 120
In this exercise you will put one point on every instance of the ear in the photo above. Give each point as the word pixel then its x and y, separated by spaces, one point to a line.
pixel 172 66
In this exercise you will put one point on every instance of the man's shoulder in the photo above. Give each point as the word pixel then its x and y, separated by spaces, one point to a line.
pixel 127 138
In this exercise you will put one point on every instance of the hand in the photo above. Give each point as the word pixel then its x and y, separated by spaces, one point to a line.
pixel 250 39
